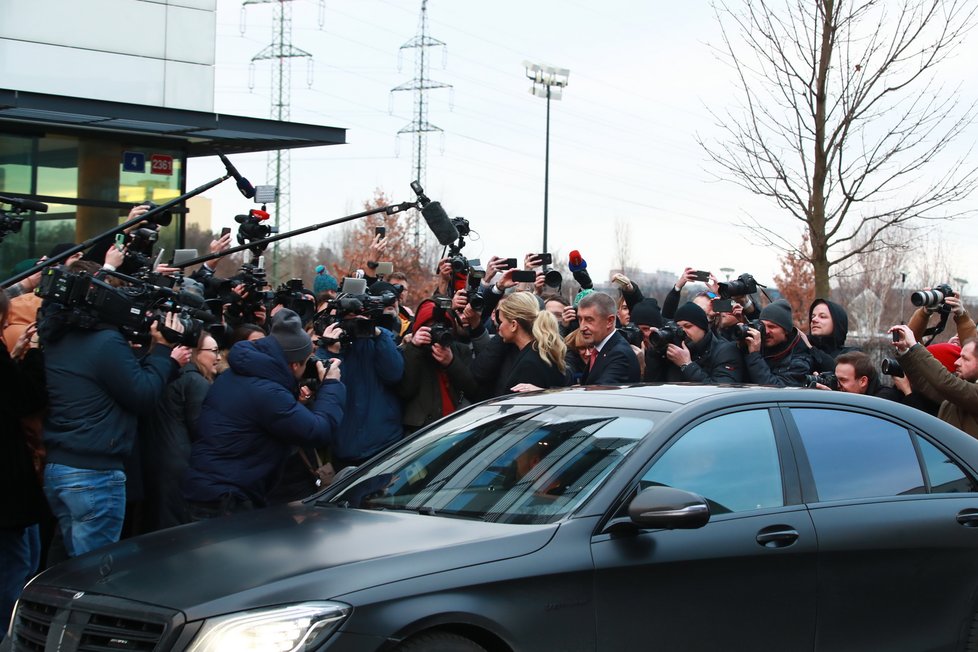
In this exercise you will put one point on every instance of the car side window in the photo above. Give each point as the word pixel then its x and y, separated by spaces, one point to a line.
pixel 855 455
pixel 945 476
pixel 731 460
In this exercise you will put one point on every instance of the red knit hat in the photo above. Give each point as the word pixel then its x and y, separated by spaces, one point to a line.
pixel 946 353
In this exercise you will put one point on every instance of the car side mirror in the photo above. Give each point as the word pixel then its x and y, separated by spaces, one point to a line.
pixel 668 508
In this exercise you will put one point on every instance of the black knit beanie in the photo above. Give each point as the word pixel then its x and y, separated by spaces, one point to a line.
pixel 692 313
pixel 646 313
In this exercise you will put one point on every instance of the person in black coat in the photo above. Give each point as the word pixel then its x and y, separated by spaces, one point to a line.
pixel 612 360
pixel 703 357
pixel 828 328
pixel 526 355
pixel 540 360
pixel 22 504
pixel 167 437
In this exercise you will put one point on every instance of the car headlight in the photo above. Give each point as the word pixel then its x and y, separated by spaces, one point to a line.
pixel 294 628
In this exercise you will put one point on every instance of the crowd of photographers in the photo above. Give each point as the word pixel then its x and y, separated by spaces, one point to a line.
pixel 137 398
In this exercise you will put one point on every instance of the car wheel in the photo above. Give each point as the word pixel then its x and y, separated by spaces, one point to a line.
pixel 439 642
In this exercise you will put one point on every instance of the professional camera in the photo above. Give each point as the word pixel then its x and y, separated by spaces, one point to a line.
pixel 632 334
pixel 290 295
pixel 931 298
pixel 442 329
pixel 476 300
pixel 358 315
pixel 668 333
pixel 739 331
pixel 89 302
pixel 891 367
pixel 310 375
pixel 745 284
pixel 826 378
pixel 139 250
pixel 241 306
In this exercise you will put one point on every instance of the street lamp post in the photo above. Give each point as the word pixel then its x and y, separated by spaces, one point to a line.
pixel 547 82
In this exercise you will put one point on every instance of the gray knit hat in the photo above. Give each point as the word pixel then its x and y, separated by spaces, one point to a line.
pixel 779 312
pixel 287 331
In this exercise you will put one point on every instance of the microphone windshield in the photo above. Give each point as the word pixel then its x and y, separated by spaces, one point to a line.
pixel 438 222
pixel 576 262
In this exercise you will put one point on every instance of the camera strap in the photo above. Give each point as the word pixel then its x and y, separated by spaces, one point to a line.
pixel 937 329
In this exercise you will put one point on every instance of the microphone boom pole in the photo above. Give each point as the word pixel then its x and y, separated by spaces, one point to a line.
pixel 389 210
pixel 116 229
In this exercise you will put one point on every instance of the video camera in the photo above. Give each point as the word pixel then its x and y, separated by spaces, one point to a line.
pixel 10 222
pixel 290 295
pixel 241 306
pixel 89 302
pixel 358 315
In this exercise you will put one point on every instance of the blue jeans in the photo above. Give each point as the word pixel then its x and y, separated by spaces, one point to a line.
pixel 20 553
pixel 89 505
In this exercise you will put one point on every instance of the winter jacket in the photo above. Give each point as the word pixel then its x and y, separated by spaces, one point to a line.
pixel 420 388
pixel 372 368
pixel 98 388
pixel 250 421
pixel 165 440
pixel 783 366
pixel 958 397
pixel 22 502
pixel 713 361
pixel 826 348
pixel 964 324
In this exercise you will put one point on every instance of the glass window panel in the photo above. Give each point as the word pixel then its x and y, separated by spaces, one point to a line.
pixel 855 455
pixel 15 164
pixel 731 460
pixel 946 477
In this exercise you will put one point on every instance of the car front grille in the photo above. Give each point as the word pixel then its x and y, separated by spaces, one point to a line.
pixel 80 622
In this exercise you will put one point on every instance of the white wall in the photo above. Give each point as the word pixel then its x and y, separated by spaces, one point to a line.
pixel 157 52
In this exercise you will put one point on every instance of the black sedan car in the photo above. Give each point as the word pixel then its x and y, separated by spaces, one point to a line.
pixel 650 517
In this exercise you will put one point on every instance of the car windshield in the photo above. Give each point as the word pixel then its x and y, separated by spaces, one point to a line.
pixel 503 464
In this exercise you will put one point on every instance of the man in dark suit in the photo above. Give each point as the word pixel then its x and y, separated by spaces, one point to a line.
pixel 612 360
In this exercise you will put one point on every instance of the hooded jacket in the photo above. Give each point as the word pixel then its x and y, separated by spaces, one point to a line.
pixel 825 348
pixel 249 422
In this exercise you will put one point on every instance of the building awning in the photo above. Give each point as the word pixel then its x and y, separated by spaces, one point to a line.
pixel 197 132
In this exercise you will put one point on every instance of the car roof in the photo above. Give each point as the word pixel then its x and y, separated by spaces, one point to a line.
pixel 665 397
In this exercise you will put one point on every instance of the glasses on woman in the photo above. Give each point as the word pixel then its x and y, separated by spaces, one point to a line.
pixel 215 351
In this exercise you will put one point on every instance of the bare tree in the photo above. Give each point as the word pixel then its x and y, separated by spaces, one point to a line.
pixel 623 245
pixel 841 117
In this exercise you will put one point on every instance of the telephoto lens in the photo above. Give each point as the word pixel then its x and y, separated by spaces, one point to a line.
pixel 891 367
pixel 931 298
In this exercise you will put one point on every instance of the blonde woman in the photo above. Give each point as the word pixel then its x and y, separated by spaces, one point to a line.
pixel 539 359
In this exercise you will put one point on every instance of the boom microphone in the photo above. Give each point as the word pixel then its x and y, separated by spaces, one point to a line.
pixel 440 225
pixel 436 217
pixel 244 185
pixel 25 204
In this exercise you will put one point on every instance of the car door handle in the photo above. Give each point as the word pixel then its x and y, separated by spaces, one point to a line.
pixel 968 517
pixel 777 536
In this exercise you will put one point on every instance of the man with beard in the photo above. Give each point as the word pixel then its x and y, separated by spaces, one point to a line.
pixel 779 357
pixel 957 392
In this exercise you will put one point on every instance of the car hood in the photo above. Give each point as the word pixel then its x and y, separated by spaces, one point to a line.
pixel 288 554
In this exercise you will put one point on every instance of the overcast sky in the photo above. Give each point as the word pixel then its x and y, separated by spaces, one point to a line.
pixel 622 141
